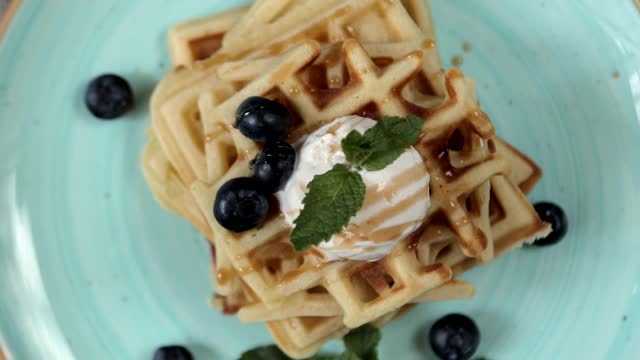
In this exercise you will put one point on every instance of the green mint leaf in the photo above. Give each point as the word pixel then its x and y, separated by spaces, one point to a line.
pixel 372 355
pixel 333 199
pixel 357 147
pixel 349 355
pixel 363 341
pixel 270 352
pixel 383 143
pixel 323 357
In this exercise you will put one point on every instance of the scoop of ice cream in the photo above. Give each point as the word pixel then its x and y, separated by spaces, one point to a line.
pixel 396 201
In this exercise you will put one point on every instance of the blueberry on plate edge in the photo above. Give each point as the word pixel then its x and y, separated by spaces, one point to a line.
pixel 263 120
pixel 554 215
pixel 109 96
pixel 454 337
pixel 240 205
pixel 172 352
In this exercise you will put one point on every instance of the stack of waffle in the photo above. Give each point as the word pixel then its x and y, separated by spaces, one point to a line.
pixel 324 59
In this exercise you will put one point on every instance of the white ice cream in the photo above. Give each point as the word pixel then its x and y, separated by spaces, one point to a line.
pixel 396 201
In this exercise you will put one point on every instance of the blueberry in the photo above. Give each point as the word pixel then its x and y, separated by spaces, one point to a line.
pixel 454 337
pixel 554 215
pixel 109 96
pixel 273 166
pixel 262 119
pixel 172 352
pixel 240 205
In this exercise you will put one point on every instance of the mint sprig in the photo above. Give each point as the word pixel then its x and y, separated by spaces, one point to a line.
pixel 360 344
pixel 382 144
pixel 270 352
pixel 336 196
pixel 333 198
pixel 348 355
pixel 363 342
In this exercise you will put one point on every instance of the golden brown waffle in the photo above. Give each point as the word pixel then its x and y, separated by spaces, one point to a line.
pixel 420 12
pixel 231 297
pixel 302 337
pixel 265 258
pixel 169 189
pixel 198 39
pixel 290 334
pixel 311 321
pixel 318 303
pixel 369 21
pixel 171 192
pixel 365 57
pixel 525 174
pixel 174 105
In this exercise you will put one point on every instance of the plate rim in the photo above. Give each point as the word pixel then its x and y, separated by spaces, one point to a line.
pixel 5 19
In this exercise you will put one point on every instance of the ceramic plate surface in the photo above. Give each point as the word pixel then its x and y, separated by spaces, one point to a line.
pixel 92 268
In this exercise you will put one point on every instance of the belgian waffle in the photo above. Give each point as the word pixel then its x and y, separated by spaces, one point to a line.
pixel 323 60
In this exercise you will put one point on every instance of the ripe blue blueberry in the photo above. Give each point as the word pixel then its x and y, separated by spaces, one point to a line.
pixel 109 96
pixel 240 205
pixel 261 119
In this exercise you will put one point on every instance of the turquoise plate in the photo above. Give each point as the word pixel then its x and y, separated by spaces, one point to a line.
pixel 92 268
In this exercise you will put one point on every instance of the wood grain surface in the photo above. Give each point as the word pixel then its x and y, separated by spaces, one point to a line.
pixel 8 8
